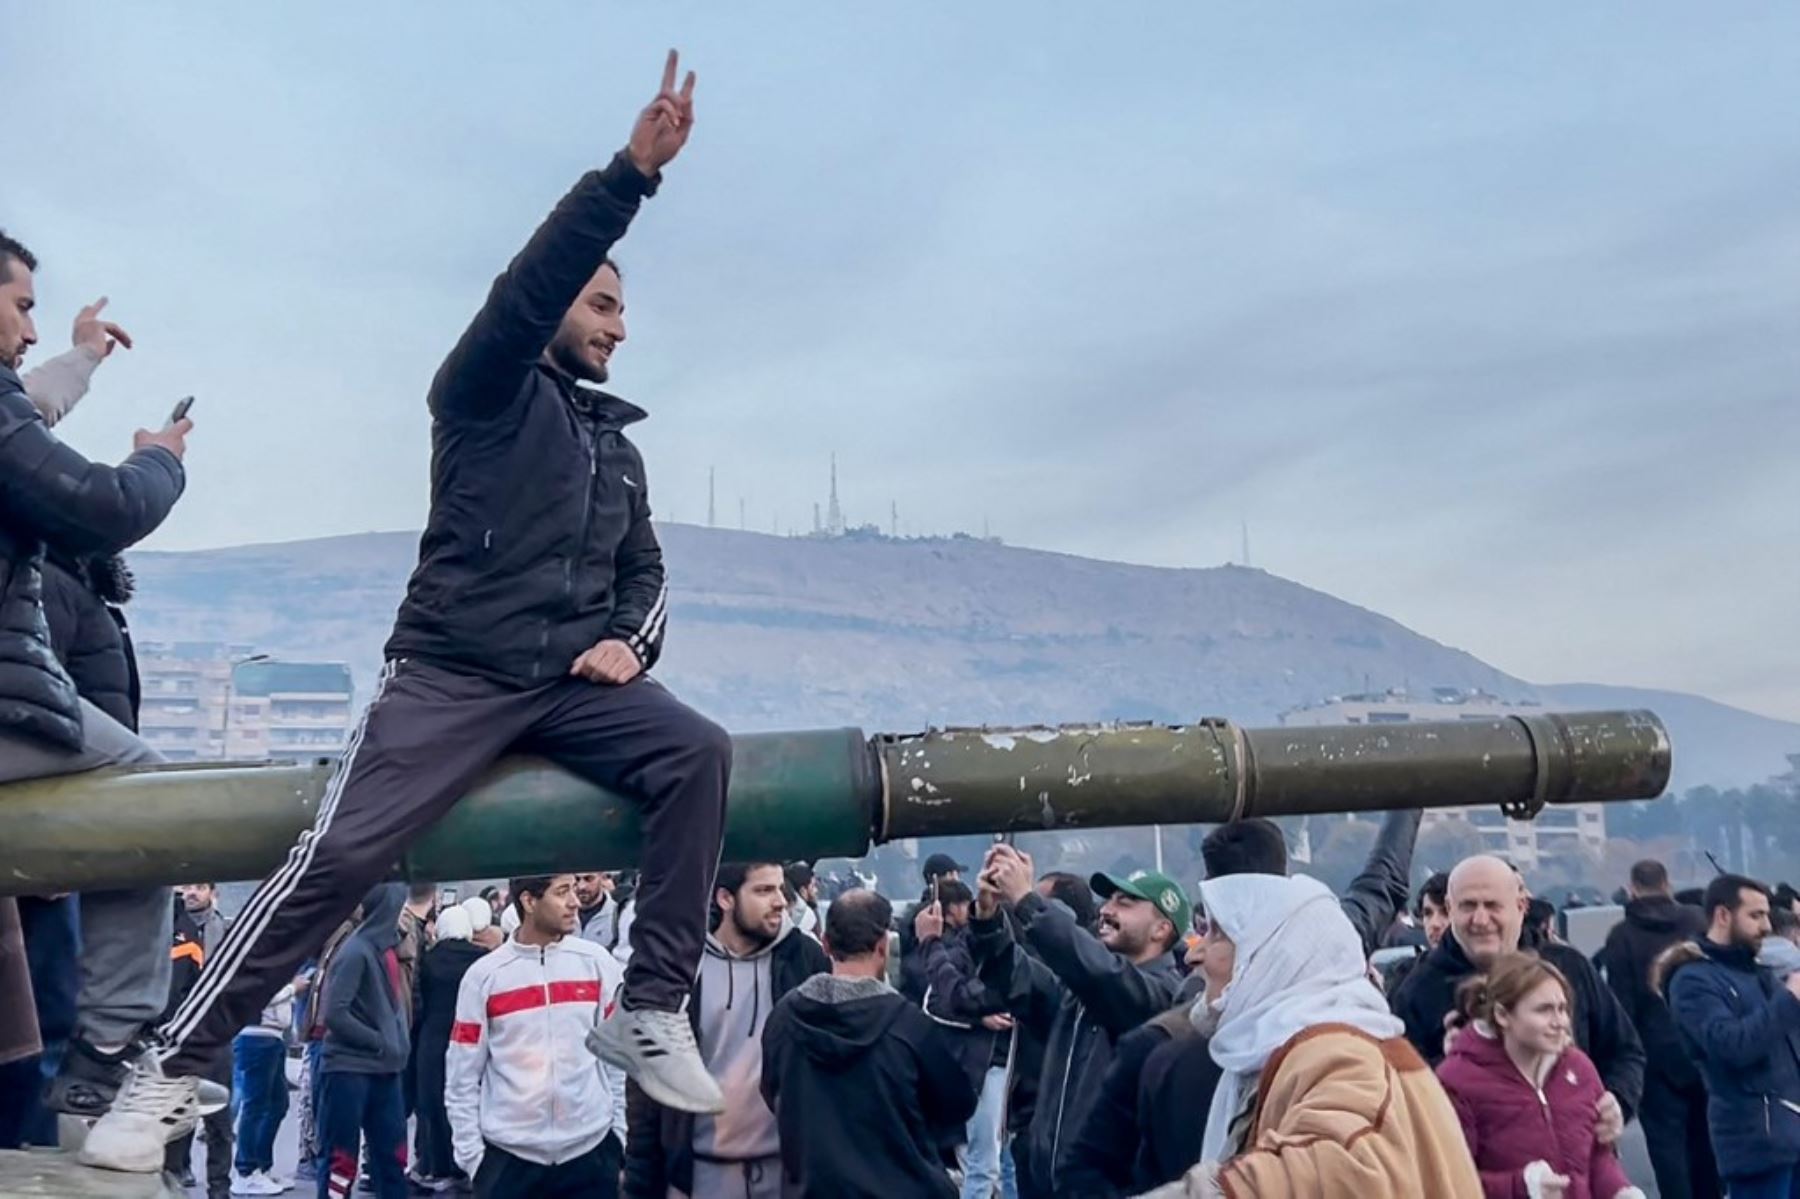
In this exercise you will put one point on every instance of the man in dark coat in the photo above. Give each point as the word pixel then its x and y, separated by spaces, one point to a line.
pixel 865 1086
pixel 1673 1112
pixel 52 500
pixel 1487 915
pixel 531 623
pixel 1084 990
pixel 1743 1029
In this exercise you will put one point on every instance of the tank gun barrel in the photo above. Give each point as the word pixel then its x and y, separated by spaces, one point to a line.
pixel 834 792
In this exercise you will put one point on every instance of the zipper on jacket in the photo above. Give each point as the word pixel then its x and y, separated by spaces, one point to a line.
pixel 1062 1098
pixel 587 511
pixel 550 1036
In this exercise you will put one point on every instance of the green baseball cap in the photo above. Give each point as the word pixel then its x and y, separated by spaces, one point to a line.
pixel 1158 889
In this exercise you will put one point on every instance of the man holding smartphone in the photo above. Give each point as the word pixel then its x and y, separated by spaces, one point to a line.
pixel 537 606
pixel 52 500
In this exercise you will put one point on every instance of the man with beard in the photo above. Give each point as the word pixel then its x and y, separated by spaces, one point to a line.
pixel 1674 1107
pixel 1744 1028
pixel 1487 915
pixel 1084 990
pixel 753 958
pixel 530 625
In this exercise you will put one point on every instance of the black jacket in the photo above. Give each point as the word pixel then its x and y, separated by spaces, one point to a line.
pixel 1651 925
pixel 1142 1131
pixel 864 1087
pixel 52 496
pixel 88 632
pixel 957 998
pixel 539 541
pixel 1379 893
pixel 1602 1028
pixel 659 1147
pixel 1083 997
pixel 365 1004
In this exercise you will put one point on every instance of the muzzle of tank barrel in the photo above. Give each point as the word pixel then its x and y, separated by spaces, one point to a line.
pixel 831 793
pixel 960 781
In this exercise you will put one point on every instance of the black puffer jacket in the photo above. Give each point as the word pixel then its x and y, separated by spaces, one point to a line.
pixel 50 495
pixel 89 634
pixel 539 543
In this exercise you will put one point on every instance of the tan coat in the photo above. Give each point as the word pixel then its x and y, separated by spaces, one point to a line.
pixel 1342 1113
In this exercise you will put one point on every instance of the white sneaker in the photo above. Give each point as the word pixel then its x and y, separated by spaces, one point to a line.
pixel 150 1110
pixel 657 1051
pixel 213 1096
pixel 281 1182
pixel 257 1183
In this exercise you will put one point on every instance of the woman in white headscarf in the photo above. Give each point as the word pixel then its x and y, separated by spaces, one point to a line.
pixel 1321 1092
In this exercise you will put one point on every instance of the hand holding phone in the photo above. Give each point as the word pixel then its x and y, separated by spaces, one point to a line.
pixel 172 436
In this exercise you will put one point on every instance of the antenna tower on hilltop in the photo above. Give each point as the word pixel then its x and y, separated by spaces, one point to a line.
pixel 834 514
pixel 712 497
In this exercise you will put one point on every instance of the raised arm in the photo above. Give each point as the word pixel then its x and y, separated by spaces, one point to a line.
pixel 481 377
pixel 1379 893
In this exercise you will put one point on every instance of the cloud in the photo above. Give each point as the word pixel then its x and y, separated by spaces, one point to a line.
pixel 1478 318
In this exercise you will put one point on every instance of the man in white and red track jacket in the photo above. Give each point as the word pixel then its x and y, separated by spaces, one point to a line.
pixel 533 1114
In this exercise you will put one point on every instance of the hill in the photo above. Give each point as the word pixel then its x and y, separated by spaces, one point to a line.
pixel 771 632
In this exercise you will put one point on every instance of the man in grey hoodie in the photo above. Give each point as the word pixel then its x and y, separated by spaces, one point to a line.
pixel 366 1046
pixel 753 957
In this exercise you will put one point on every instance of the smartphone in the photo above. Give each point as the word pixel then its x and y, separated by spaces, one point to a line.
pixel 181 410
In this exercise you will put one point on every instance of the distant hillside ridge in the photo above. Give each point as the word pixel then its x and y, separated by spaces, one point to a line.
pixel 771 632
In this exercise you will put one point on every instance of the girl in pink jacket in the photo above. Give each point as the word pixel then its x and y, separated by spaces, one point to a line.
pixel 1524 1092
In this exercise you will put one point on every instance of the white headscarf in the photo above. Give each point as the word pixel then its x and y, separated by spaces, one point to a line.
pixel 453 924
pixel 1299 964
pixel 481 912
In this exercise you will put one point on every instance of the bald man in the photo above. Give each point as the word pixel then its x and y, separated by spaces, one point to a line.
pixel 1487 899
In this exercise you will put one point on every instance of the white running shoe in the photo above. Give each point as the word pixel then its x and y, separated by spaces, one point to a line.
pixel 256 1183
pixel 281 1182
pixel 150 1110
pixel 213 1096
pixel 657 1051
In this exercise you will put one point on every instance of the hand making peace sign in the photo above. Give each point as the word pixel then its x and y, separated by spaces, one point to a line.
pixel 662 128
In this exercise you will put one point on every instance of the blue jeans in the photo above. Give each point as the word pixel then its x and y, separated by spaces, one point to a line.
pixel 988 1164
pixel 354 1108
pixel 259 1091
pixel 1776 1184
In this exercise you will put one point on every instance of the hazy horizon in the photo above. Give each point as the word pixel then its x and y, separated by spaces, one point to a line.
pixel 1484 320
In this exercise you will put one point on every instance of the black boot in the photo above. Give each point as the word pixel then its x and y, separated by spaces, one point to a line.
pixel 88 1079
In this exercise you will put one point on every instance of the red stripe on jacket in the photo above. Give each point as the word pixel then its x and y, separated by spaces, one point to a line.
pixel 524 999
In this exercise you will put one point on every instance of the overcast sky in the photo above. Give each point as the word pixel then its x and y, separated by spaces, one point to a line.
pixel 1489 321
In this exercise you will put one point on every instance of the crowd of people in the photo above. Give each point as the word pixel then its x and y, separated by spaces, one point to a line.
pixel 1015 1034
pixel 1010 1033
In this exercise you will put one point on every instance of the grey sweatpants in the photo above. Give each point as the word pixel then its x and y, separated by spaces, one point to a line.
pixel 124 934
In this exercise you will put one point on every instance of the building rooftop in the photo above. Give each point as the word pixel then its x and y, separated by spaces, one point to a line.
pixel 290 678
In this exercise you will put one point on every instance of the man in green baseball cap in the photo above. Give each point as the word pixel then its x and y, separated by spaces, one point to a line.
pixel 1144 900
